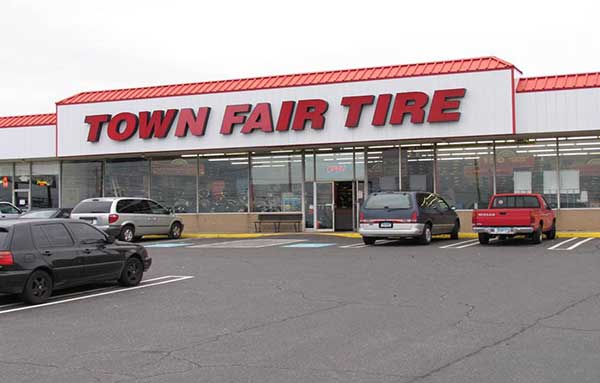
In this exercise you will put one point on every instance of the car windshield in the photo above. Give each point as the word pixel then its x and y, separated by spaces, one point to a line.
pixel 516 202
pixel 86 207
pixel 389 201
pixel 39 214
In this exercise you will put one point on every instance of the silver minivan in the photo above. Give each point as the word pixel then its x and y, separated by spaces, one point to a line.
pixel 128 219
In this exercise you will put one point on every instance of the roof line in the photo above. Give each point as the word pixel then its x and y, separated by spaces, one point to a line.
pixel 279 76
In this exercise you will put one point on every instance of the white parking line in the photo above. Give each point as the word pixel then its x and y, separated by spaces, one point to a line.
pixel 354 246
pixel 176 278
pixel 458 243
pixel 579 243
pixel 246 244
pixel 562 243
pixel 467 245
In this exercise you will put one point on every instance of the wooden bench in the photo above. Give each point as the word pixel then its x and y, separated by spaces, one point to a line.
pixel 277 220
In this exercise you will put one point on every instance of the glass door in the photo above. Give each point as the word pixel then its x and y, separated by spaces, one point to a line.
pixel 324 201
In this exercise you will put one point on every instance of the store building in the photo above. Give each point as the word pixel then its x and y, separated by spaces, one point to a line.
pixel 221 152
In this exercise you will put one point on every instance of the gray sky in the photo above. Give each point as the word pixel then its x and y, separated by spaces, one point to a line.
pixel 54 49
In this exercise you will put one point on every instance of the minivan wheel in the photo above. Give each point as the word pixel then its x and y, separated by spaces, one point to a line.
pixel 175 231
pixel 38 287
pixel 369 240
pixel 132 272
pixel 425 238
pixel 455 230
pixel 127 234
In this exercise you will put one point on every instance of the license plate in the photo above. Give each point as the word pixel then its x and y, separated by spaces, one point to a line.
pixel 502 230
pixel 386 225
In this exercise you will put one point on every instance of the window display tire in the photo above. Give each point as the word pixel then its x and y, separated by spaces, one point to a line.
pixel 175 231
pixel 455 230
pixel 536 237
pixel 484 238
pixel 127 233
pixel 369 240
pixel 38 287
pixel 425 237
pixel 551 234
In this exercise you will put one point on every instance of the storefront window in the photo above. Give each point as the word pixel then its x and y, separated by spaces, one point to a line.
pixel 579 159
pixel 126 178
pixel 81 180
pixel 417 167
pixel 44 184
pixel 6 182
pixel 465 174
pixel 527 167
pixel 335 166
pixel 173 183
pixel 383 172
pixel 277 183
pixel 223 183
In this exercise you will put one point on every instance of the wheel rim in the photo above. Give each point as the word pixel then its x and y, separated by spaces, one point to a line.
pixel 39 286
pixel 428 234
pixel 128 235
pixel 176 231
pixel 133 271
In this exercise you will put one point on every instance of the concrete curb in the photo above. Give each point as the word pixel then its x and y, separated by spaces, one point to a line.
pixel 562 234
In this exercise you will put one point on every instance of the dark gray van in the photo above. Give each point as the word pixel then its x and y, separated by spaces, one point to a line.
pixel 392 215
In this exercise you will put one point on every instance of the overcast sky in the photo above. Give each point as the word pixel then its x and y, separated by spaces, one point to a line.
pixel 53 49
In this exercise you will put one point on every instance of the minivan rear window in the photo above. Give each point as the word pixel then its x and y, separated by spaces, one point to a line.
pixel 389 201
pixel 88 207
pixel 516 202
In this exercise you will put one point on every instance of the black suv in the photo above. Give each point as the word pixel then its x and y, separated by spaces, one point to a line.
pixel 406 215
pixel 38 256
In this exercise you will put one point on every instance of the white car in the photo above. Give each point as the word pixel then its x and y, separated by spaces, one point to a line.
pixel 8 210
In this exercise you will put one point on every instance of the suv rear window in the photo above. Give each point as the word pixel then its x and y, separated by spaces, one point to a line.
pixel 87 207
pixel 389 201
pixel 516 202
pixel 3 236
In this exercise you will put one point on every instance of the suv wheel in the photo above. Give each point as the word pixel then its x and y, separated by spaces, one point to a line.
pixel 175 231
pixel 425 238
pixel 38 287
pixel 127 233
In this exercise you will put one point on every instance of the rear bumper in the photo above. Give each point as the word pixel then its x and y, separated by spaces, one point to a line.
pixel 504 230
pixel 399 230
pixel 12 282
pixel 111 230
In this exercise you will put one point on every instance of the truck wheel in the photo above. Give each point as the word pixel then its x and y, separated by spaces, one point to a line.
pixel 536 237
pixel 455 230
pixel 369 240
pixel 425 237
pixel 484 238
pixel 551 234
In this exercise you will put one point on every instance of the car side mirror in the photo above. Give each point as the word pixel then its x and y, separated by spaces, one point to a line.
pixel 452 207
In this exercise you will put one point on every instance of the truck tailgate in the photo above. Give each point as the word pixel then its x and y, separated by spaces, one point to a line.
pixel 502 217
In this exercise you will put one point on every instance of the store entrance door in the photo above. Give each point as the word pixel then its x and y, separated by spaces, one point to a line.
pixel 22 199
pixel 344 198
pixel 325 203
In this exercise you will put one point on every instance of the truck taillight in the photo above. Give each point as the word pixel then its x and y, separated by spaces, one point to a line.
pixel 532 217
pixel 414 217
pixel 112 218
pixel 6 258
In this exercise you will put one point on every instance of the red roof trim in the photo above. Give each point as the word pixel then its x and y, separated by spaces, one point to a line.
pixel 478 64
pixel 559 82
pixel 29 120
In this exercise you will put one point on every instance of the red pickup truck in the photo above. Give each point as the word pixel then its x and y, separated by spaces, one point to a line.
pixel 509 215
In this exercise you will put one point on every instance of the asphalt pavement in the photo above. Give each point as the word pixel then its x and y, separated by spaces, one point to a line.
pixel 307 308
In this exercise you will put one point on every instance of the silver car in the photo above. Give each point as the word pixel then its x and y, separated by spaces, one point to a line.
pixel 8 210
pixel 128 219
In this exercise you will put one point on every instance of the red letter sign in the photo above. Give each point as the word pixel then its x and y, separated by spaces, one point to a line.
pixel 130 121
pixel 409 103
pixel 187 119
pixel 95 123
pixel 231 117
pixel 310 110
pixel 260 118
pixel 355 105
pixel 441 103
pixel 156 126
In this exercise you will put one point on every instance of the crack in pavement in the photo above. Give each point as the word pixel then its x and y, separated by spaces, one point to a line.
pixel 512 336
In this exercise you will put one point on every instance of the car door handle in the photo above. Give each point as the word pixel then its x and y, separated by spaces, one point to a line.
pixel 47 252
pixel 87 251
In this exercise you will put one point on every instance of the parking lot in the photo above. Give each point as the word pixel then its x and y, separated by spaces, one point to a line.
pixel 308 308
